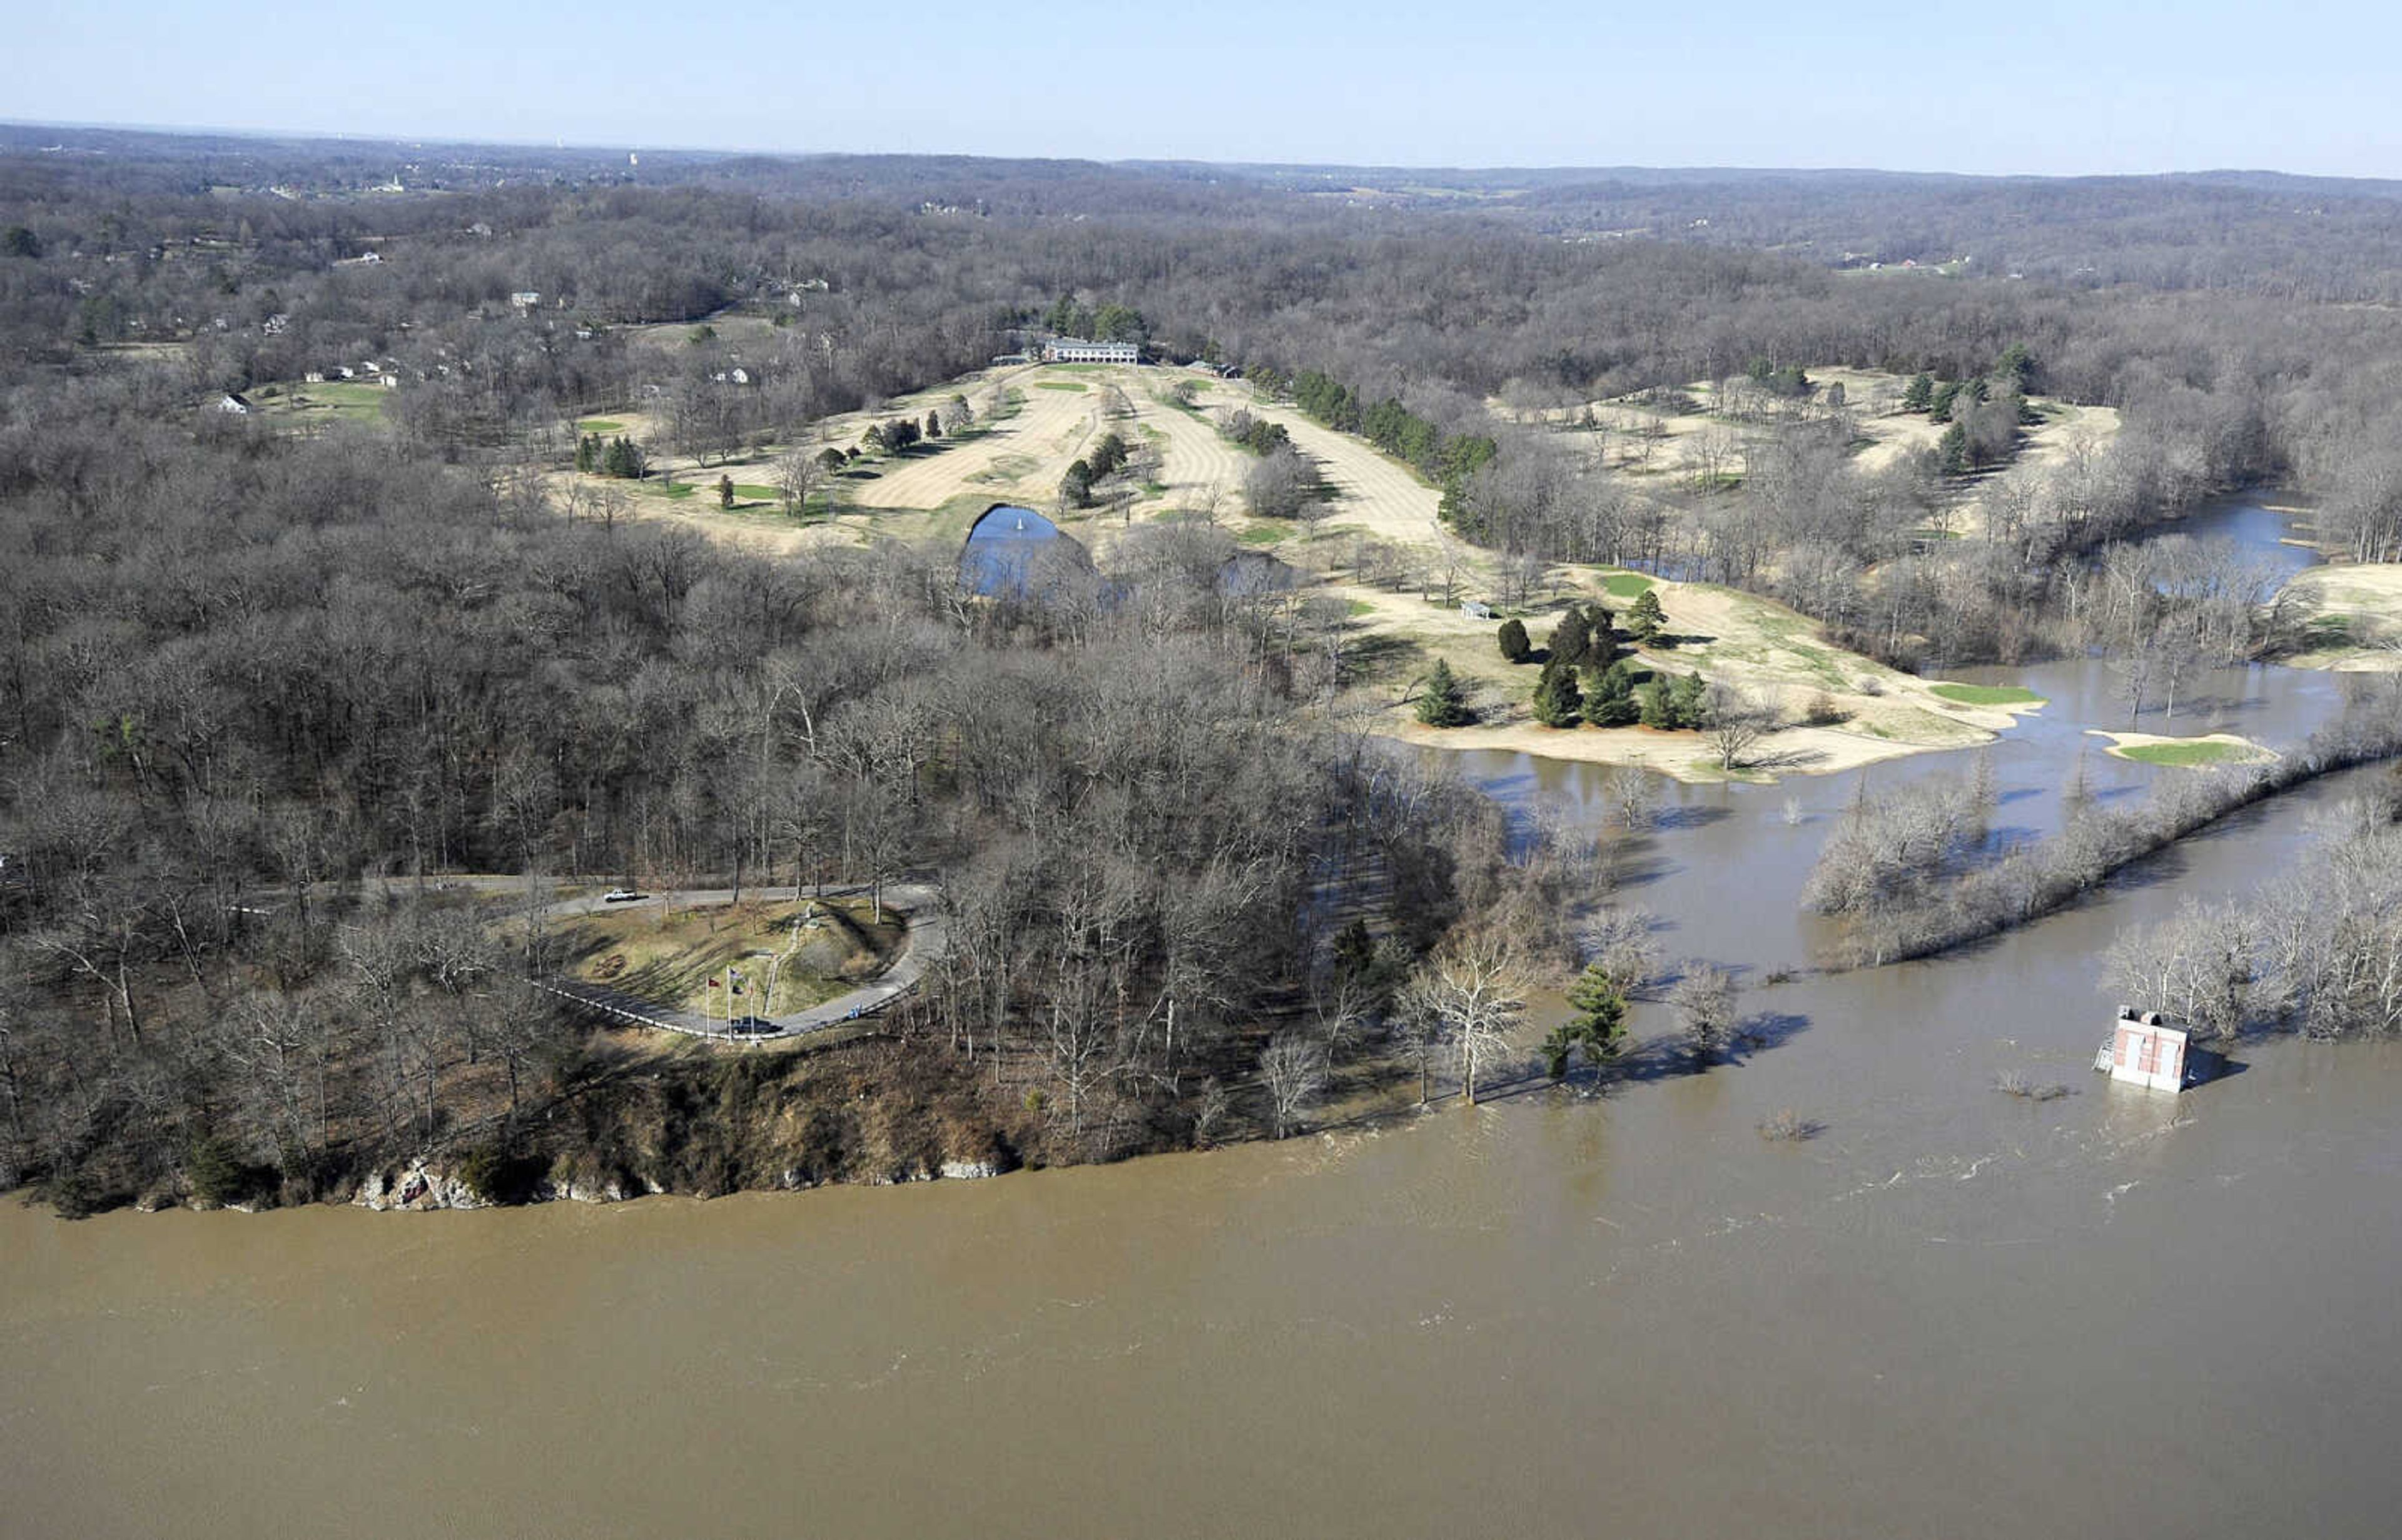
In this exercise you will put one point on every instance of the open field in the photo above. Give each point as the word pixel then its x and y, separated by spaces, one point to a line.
pixel 1026 437
pixel 1023 441
pixel 2211 748
pixel 1988 695
pixel 1643 440
pixel 670 958
pixel 2351 617
pixel 334 401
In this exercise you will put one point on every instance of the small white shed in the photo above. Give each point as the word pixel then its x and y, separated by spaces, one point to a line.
pixel 2143 1050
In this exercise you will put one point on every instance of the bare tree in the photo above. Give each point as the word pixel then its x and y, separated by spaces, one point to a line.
pixel 1633 796
pixel 1293 1070
pixel 1704 996
pixel 1618 940
pixel 1471 992
pixel 1733 721
pixel 799 473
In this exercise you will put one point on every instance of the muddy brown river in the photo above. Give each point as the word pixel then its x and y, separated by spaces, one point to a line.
pixel 1952 1313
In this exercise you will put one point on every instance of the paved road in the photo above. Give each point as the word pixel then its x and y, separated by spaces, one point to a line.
pixel 926 940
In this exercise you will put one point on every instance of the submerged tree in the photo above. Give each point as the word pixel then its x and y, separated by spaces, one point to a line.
pixel 1467 995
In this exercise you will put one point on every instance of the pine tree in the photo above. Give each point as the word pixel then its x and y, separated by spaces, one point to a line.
pixel 588 452
pixel 1443 704
pixel 1610 700
pixel 934 423
pixel 1076 487
pixel 1951 450
pixel 1569 638
pixel 1514 645
pixel 1658 709
pixel 1920 393
pixel 1600 1020
pixel 1685 702
pixel 1598 1027
pixel 1558 702
pixel 1644 617
pixel 726 491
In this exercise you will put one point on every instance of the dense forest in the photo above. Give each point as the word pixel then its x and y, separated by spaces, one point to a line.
pixel 263 691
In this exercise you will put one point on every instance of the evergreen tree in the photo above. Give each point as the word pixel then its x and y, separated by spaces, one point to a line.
pixel 1644 617
pixel 1685 702
pixel 1920 393
pixel 588 452
pixel 1602 634
pixel 1610 700
pixel 934 423
pixel 1558 702
pixel 1658 708
pixel 1076 487
pixel 623 459
pixel 726 491
pixel 1443 704
pixel 1569 638
pixel 1938 408
pixel 1514 645
pixel 1598 1027
pixel 1951 450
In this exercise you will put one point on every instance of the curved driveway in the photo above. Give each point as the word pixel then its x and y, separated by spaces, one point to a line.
pixel 926 940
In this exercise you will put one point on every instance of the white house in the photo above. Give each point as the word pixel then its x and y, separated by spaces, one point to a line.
pixel 2143 1050
pixel 526 299
pixel 1069 349
pixel 233 405
pixel 1475 608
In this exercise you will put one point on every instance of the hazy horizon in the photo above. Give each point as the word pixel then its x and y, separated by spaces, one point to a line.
pixel 2044 90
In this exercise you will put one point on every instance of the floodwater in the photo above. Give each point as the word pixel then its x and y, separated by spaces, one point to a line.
pixel 1950 1313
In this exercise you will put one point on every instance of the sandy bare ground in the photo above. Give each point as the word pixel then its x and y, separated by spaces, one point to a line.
pixel 1796 751
pixel 2357 608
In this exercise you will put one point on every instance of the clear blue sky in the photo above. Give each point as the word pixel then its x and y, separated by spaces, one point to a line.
pixel 2035 85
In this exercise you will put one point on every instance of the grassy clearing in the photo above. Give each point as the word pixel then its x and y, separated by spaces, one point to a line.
pixel 2218 748
pixel 1625 585
pixel 600 425
pixel 670 959
pixel 1989 694
pixel 2184 753
pixel 340 400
